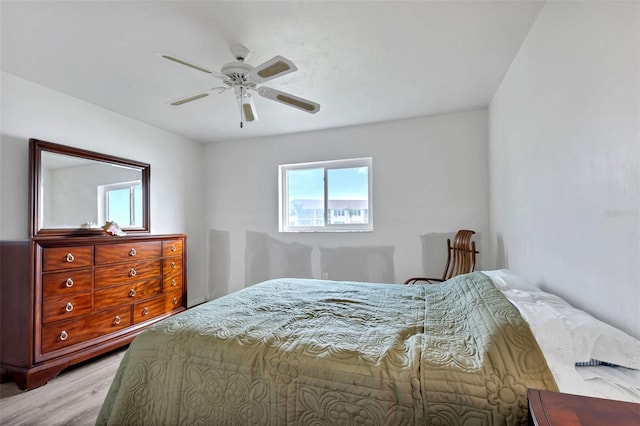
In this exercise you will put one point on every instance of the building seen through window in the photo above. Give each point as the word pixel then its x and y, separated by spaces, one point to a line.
pixel 326 196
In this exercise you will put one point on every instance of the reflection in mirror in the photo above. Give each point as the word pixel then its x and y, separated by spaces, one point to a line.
pixel 78 192
pixel 75 191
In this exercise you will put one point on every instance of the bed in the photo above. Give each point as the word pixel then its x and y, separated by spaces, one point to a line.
pixel 311 352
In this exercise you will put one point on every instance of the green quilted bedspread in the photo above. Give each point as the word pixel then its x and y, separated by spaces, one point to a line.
pixel 310 352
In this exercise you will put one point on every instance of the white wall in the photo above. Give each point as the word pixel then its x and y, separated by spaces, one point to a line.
pixel 565 159
pixel 32 111
pixel 429 177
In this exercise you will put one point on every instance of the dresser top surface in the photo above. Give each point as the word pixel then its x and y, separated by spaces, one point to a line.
pixel 103 239
pixel 559 409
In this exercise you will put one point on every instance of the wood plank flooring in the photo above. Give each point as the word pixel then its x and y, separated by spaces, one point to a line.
pixel 72 398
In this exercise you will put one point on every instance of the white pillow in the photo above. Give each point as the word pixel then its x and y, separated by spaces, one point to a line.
pixel 506 280
pixel 592 339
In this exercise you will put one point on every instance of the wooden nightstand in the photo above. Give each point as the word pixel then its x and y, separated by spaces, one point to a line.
pixel 548 408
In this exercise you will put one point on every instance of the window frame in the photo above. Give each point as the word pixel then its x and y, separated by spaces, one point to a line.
pixel 283 195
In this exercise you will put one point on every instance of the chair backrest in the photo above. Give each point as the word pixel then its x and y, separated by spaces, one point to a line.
pixel 461 256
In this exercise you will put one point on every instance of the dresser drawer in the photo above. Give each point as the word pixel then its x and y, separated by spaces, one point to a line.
pixel 173 299
pixel 121 294
pixel 66 306
pixel 117 253
pixel 172 248
pixel 56 258
pixel 172 266
pixel 126 273
pixel 67 282
pixel 171 282
pixel 145 310
pixel 66 333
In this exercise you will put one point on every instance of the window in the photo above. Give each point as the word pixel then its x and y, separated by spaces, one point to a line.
pixel 326 196
pixel 121 203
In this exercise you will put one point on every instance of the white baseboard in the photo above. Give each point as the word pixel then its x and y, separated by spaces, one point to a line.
pixel 194 302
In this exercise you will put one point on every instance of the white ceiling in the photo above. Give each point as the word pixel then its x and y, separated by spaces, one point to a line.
pixel 362 61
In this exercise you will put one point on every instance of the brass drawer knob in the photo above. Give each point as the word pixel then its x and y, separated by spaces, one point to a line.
pixel 145 311
pixel 132 252
pixel 64 336
pixel 173 265
pixel 70 258
pixel 132 272
pixel 175 300
pixel 132 292
pixel 173 247
pixel 68 282
pixel 174 282
pixel 68 307
pixel 116 320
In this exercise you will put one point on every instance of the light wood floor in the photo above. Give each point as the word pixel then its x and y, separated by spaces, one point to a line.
pixel 72 398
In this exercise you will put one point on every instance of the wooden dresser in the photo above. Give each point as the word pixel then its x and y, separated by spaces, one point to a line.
pixel 68 299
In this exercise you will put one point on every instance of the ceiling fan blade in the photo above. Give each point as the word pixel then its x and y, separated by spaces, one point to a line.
pixel 190 65
pixel 198 95
pixel 288 99
pixel 275 67
pixel 181 101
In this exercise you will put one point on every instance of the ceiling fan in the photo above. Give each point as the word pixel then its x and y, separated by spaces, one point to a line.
pixel 243 78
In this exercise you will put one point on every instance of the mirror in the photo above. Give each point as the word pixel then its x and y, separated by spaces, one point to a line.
pixel 76 192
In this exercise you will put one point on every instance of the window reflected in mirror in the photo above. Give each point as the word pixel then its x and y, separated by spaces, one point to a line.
pixel 122 203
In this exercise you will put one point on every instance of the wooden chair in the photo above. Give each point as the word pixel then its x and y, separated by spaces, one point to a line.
pixel 461 258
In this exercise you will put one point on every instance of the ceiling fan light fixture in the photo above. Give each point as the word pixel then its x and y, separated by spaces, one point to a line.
pixel 248 108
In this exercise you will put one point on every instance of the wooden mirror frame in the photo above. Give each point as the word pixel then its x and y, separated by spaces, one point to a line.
pixel 36 147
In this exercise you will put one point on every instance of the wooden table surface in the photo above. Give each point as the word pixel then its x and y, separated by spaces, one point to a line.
pixel 548 408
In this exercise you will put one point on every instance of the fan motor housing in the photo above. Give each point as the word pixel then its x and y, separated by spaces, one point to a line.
pixel 239 52
pixel 236 68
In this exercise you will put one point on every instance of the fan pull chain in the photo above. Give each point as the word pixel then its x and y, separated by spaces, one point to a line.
pixel 241 94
